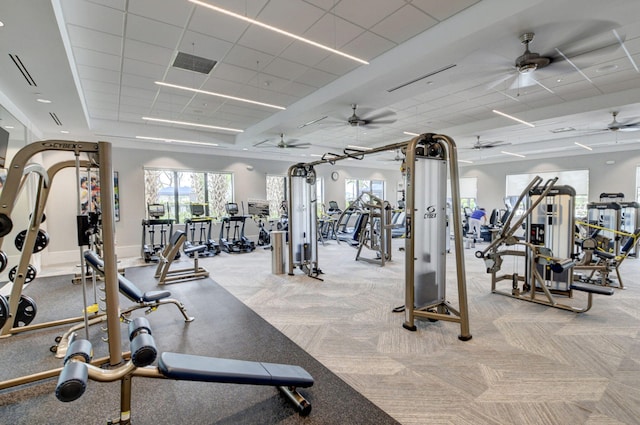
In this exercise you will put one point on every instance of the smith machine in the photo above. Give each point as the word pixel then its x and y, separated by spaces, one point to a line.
pixel 426 159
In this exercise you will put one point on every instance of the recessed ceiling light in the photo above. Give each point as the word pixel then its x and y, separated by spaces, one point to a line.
pixel 278 30
pixel 9 127
pixel 583 146
pixel 43 100
pixel 210 93
pixel 1 24
pixel 513 118
pixel 192 124
pixel 64 132
pixel 162 139
pixel 513 154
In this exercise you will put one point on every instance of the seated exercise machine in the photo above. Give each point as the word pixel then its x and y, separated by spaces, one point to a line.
pixel 165 274
pixel 155 224
pixel 149 300
pixel 547 249
pixel 259 211
pixel 198 231
pixel 236 242
pixel 597 263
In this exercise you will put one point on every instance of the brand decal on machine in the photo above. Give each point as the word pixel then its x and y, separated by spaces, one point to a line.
pixel 431 212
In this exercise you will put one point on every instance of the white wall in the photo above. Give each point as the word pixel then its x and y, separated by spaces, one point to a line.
pixel 618 177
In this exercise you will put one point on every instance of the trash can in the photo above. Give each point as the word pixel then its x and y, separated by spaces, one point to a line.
pixel 277 252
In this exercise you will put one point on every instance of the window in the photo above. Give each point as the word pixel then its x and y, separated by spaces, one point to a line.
pixel 638 184
pixel 276 194
pixel 578 179
pixel 354 188
pixel 468 187
pixel 179 189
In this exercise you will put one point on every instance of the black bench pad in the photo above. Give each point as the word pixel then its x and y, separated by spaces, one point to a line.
pixel 594 289
pixel 128 288
pixel 212 369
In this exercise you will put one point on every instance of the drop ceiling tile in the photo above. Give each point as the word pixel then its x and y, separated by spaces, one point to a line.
pixel 143 82
pixel 144 69
pixel 94 40
pixel 337 65
pixel 153 32
pixel 103 114
pixel 171 97
pixel 333 31
pixel 94 16
pixel 114 4
pixel 216 25
pixel 442 10
pixel 136 101
pixel 284 69
pixel 99 86
pixel 136 92
pixel 304 54
pixel 171 12
pixel 316 78
pixel 297 90
pixel 279 13
pixel 147 52
pixel 361 12
pixel 217 85
pixel 98 74
pixel 405 23
pixel 265 41
pixel 368 46
pixel 96 59
pixel 225 71
pixel 182 77
pixel 205 46
pixel 247 58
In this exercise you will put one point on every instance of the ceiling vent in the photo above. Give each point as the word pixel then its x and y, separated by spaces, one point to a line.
pixel 194 63
pixel 415 80
pixel 23 70
pixel 55 118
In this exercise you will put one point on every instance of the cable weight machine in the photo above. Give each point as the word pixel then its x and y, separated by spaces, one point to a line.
pixel 427 158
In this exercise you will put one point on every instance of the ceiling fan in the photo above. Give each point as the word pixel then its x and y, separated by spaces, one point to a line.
pixel 527 67
pixel 382 118
pixel 290 144
pixel 481 144
pixel 615 125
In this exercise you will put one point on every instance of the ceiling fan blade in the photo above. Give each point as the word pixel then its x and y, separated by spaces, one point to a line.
pixel 298 145
pixel 630 127
pixel 494 144
pixel 380 116
pixel 259 143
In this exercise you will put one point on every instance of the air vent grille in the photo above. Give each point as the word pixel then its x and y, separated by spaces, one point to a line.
pixel 194 63
pixel 23 70
pixel 415 80
pixel 55 118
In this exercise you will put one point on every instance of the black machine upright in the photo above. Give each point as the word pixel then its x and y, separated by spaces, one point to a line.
pixel 235 242
pixel 198 231
pixel 154 232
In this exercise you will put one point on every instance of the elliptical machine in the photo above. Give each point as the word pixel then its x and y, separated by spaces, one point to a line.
pixel 198 231
pixel 238 243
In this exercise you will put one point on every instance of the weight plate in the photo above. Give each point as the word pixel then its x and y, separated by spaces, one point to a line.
pixel 3 261
pixel 42 240
pixel 29 276
pixel 4 310
pixel 26 312
pixel 5 225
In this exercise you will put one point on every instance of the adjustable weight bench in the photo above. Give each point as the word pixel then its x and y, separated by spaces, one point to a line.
pixel 150 300
pixel 78 369
pixel 165 274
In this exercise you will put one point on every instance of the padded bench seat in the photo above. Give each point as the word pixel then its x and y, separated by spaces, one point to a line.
pixel 591 288
pixel 128 288
pixel 210 369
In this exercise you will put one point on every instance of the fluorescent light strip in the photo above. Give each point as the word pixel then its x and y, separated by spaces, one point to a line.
pixel 359 147
pixel 210 93
pixel 193 124
pixel 626 51
pixel 162 139
pixel 574 65
pixel 408 133
pixel 583 146
pixel 465 161
pixel 513 118
pixel 513 154
pixel 278 30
